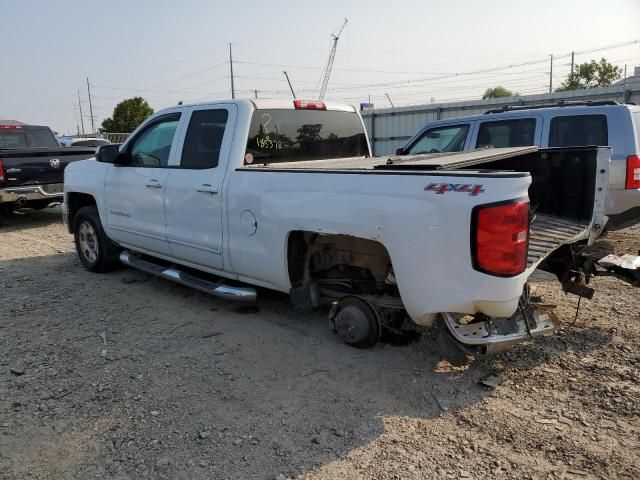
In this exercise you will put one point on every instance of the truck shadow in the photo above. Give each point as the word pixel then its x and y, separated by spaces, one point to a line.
pixel 26 218
pixel 139 369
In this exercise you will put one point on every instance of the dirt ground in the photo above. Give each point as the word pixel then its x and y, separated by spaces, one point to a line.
pixel 125 376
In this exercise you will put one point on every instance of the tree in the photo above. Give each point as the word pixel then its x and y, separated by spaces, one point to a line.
pixel 127 115
pixel 591 75
pixel 498 92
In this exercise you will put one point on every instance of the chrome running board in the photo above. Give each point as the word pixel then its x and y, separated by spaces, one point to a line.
pixel 241 294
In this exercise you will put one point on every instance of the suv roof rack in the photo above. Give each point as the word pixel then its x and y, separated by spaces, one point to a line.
pixel 562 103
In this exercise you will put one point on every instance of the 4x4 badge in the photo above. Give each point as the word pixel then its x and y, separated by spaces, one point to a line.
pixel 441 188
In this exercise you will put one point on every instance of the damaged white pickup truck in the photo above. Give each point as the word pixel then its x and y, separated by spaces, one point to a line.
pixel 285 195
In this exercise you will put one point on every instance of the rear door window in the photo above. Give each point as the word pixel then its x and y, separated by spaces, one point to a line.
pixel 578 131
pixel 518 132
pixel 448 138
pixel 204 139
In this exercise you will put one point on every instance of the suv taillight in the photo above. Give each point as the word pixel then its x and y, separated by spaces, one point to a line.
pixel 633 172
pixel 1 172
pixel 500 238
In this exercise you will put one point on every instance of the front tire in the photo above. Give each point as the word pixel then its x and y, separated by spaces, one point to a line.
pixel 96 251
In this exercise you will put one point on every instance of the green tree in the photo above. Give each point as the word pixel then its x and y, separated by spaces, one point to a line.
pixel 127 115
pixel 498 92
pixel 590 75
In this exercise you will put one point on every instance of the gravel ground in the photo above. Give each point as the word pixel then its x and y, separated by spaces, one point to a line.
pixel 126 376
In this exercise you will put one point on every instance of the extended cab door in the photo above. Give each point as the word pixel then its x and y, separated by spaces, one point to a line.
pixel 194 196
pixel 134 192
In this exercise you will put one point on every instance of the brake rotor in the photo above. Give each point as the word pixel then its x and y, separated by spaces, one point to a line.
pixel 355 322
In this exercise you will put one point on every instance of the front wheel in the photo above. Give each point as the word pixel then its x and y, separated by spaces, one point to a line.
pixel 96 251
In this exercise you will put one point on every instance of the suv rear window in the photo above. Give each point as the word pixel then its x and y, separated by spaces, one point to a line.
pixel 578 131
pixel 507 133
pixel 299 135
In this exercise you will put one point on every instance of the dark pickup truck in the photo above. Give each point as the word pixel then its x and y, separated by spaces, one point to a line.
pixel 32 164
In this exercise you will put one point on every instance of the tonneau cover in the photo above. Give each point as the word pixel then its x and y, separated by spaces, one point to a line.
pixel 432 161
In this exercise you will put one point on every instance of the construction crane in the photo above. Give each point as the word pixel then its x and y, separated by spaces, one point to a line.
pixel 332 56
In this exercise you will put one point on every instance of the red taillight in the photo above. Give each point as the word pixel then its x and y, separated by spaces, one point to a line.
pixel 309 105
pixel 10 127
pixel 501 238
pixel 1 172
pixel 633 172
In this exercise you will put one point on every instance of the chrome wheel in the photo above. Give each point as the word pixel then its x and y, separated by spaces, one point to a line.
pixel 88 241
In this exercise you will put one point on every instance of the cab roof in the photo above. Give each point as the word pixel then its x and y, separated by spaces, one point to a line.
pixel 270 103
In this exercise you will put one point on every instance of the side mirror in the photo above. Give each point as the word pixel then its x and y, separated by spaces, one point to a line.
pixel 399 151
pixel 107 153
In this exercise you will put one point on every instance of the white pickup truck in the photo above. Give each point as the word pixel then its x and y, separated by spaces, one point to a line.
pixel 285 195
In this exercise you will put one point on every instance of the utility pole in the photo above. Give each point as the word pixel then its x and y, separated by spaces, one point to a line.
pixel 233 90
pixel 624 88
pixel 551 75
pixel 93 127
pixel 75 112
pixel 573 54
pixel 255 93
pixel 389 98
pixel 289 82
pixel 80 106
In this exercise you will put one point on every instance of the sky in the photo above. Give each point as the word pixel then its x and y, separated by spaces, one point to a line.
pixel 416 51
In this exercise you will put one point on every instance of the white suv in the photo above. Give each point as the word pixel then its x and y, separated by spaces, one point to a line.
pixel 568 124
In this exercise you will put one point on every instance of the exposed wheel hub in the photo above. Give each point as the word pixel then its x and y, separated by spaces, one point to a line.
pixel 355 322
pixel 351 324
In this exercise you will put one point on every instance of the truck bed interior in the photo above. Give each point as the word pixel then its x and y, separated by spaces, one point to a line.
pixel 562 191
pixel 562 195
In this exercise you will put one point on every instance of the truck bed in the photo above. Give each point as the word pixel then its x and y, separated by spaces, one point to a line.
pixel 562 193
pixel 37 166
pixel 425 162
pixel 547 233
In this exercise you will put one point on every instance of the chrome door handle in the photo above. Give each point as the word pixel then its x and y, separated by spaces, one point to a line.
pixel 206 188
pixel 153 184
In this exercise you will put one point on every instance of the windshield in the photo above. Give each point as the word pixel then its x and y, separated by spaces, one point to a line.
pixel 298 135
